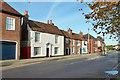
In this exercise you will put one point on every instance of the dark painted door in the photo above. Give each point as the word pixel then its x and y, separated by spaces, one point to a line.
pixel 67 52
pixel 8 50
pixel 47 52
pixel 80 50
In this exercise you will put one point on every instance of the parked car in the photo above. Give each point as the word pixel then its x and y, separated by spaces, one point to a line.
pixel 118 50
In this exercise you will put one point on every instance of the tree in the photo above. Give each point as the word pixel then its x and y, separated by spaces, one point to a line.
pixel 105 17
pixel 100 38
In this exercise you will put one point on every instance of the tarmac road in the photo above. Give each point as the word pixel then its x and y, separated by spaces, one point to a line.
pixel 87 67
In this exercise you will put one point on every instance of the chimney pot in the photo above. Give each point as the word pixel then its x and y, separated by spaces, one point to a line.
pixel 47 21
pixel 69 31
pixel 26 12
pixel 51 22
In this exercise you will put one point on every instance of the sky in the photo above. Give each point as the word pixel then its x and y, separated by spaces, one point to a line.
pixel 65 15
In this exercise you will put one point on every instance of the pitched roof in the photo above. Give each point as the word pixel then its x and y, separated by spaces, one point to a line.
pixel 73 36
pixel 90 37
pixel 43 27
pixel 6 8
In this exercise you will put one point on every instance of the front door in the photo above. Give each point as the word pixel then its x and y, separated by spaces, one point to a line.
pixel 47 52
pixel 67 52
pixel 80 50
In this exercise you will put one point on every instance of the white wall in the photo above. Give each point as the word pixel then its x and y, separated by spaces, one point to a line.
pixel 84 46
pixel 44 39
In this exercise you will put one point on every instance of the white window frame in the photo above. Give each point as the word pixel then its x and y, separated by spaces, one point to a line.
pixel 38 37
pixel 73 42
pixel 57 50
pixel 39 53
pixel 84 48
pixel 78 50
pixel 10 23
pixel 73 49
pixel 67 40
pixel 56 39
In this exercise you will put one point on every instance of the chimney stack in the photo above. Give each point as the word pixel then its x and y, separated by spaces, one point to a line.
pixel 70 31
pixel 25 18
pixel 26 14
pixel 81 34
pixel 50 22
pixel 47 21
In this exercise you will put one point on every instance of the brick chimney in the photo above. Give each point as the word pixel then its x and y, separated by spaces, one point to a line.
pixel 81 33
pixel 70 31
pixel 26 14
pixel 50 22
pixel 25 18
pixel 47 21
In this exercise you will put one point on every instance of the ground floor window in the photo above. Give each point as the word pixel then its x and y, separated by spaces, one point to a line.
pixel 37 51
pixel 72 49
pixel 78 49
pixel 84 49
pixel 56 50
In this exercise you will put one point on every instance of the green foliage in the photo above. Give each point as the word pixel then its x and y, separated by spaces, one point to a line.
pixel 105 17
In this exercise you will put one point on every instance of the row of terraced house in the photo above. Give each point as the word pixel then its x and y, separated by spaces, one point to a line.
pixel 23 38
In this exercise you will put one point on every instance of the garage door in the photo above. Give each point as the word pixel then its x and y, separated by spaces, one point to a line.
pixel 8 50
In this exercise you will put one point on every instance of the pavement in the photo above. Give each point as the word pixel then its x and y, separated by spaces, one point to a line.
pixel 8 64
pixel 75 66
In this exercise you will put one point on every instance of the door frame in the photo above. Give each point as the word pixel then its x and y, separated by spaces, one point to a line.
pixel 68 51
pixel 48 45
pixel 16 47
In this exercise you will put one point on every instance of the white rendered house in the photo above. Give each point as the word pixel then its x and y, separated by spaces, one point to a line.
pixel 84 47
pixel 45 43
pixel 43 40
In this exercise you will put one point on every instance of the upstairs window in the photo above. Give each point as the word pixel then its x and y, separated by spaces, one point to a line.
pixel 37 37
pixel 67 40
pixel 10 23
pixel 56 38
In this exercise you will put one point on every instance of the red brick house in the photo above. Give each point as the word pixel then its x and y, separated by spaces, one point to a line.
pixel 10 30
pixel 73 42
pixel 94 44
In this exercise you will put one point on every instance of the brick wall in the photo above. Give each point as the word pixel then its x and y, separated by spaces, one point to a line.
pixel 11 35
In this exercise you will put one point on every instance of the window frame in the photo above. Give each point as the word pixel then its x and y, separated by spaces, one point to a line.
pixel 56 37
pixel 37 39
pixel 10 23
pixel 39 52
pixel 56 51
pixel 73 49
pixel 67 40
pixel 73 43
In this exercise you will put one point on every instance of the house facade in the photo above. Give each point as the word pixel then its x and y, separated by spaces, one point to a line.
pixel 74 43
pixel 10 32
pixel 41 39
pixel 94 44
